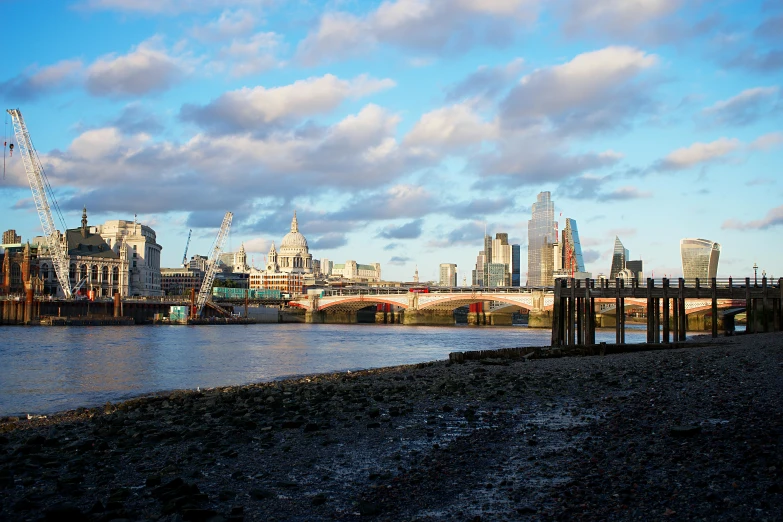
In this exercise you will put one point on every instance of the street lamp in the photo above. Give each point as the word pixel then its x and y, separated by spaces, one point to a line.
pixel 755 274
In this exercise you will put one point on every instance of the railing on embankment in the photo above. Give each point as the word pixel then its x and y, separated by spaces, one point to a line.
pixel 574 315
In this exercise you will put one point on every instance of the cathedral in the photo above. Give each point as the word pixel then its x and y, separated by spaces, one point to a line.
pixel 294 256
pixel 287 268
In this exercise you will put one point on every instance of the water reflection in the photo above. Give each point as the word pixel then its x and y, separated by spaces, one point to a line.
pixel 43 370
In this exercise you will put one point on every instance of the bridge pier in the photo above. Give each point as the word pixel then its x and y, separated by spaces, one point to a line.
pixel 539 319
pixel 499 319
pixel 428 318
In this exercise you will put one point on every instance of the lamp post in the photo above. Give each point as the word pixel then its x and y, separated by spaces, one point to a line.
pixel 755 274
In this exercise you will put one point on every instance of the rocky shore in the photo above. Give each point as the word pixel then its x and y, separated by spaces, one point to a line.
pixel 692 433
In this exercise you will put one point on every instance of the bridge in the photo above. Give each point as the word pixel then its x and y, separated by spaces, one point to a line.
pixel 491 306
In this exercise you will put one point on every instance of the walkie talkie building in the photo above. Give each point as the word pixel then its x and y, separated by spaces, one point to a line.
pixel 699 258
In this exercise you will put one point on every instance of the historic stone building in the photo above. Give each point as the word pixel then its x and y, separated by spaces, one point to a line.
pixel 286 269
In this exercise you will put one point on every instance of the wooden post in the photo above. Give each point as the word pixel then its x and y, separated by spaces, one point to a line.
pixel 557 312
pixel 617 311
pixel 675 319
pixel 571 312
pixel 748 308
pixel 764 304
pixel 665 310
pixel 579 312
pixel 650 312
pixel 588 324
pixel 681 305
pixel 622 310
pixel 780 304
pixel 714 285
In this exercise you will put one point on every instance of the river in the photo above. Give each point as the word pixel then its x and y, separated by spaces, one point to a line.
pixel 50 369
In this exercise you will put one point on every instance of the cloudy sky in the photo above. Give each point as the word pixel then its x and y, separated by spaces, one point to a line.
pixel 400 130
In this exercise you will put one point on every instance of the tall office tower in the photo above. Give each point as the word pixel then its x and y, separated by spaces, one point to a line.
pixel 541 234
pixel 699 258
pixel 478 273
pixel 448 274
pixel 487 258
pixel 571 249
pixel 618 259
pixel 501 254
pixel 636 267
pixel 515 280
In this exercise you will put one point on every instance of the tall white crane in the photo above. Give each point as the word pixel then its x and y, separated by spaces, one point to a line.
pixel 212 264
pixel 187 244
pixel 34 170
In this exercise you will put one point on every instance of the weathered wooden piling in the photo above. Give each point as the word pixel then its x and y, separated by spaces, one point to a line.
pixel 574 320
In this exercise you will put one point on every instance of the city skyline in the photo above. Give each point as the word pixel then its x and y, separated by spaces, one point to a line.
pixel 400 131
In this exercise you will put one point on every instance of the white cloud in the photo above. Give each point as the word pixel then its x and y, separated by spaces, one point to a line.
pixel 594 90
pixel 773 218
pixel 617 18
pixel 687 157
pixel 450 128
pixel 168 7
pixel 35 82
pixel 746 107
pixel 767 141
pixel 260 107
pixel 252 55
pixel 230 24
pixel 146 69
pixel 431 25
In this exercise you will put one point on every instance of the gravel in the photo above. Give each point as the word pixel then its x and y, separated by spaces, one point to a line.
pixel 684 434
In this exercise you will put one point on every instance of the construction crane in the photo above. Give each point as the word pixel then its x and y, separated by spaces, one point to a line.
pixel 38 185
pixel 212 265
pixel 187 244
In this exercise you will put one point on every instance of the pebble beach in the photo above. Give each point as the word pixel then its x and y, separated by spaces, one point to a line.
pixel 693 433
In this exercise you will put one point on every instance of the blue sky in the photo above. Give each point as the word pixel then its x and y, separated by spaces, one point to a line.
pixel 400 130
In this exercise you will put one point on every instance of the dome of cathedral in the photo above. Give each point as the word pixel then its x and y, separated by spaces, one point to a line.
pixel 293 240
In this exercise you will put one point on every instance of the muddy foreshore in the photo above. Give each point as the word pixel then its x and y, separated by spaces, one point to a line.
pixel 683 434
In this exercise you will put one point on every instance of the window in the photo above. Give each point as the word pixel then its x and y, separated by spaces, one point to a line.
pixel 94 275
pixel 105 274
pixel 83 272
pixel 115 275
pixel 44 271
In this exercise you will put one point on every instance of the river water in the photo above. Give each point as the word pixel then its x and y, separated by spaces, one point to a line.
pixel 50 369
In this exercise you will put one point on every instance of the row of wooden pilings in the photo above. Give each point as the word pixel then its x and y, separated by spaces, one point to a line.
pixel 574 316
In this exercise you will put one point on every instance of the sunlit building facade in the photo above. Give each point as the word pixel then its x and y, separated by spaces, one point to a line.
pixel 699 258
pixel 619 258
pixel 542 235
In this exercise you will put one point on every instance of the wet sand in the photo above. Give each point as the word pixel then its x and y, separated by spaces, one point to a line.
pixel 682 434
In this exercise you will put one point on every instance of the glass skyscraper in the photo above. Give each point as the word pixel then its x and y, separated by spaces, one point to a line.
pixel 572 249
pixel 619 258
pixel 515 265
pixel 699 258
pixel 541 235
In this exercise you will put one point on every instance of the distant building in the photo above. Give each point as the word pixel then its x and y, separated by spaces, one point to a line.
pixel 699 258
pixel 478 272
pixel 497 274
pixel 19 269
pixel 10 237
pixel 103 263
pixel 198 263
pixel 180 281
pixel 619 258
pixel 235 262
pixel 448 274
pixel 542 236
pixel 353 271
pixel 636 267
pixel 515 259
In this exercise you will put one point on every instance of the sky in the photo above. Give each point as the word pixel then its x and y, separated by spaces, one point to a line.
pixel 400 131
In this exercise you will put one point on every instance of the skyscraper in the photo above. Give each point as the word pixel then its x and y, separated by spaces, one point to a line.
pixel 619 258
pixel 501 254
pixel 515 254
pixel 448 274
pixel 699 258
pixel 636 267
pixel 572 249
pixel 542 235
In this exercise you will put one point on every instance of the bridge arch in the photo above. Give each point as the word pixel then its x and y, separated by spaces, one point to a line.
pixel 355 303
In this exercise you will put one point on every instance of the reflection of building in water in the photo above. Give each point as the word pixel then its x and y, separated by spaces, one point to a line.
pixel 699 258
